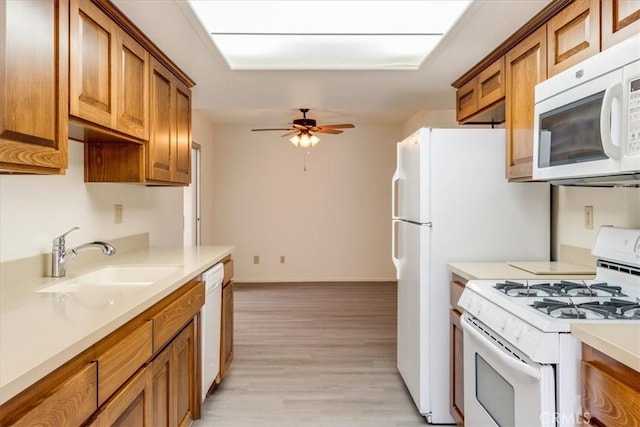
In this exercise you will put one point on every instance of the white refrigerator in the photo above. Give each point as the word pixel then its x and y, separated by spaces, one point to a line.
pixel 452 203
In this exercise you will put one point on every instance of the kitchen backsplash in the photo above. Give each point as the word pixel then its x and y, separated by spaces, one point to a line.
pixel 36 209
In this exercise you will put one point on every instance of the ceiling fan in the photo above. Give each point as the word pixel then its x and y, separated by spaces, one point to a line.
pixel 303 130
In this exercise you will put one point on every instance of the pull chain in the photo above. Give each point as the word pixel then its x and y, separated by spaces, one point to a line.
pixel 306 155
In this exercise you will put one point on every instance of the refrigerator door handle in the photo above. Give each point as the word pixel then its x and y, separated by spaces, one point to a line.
pixel 394 194
pixel 394 247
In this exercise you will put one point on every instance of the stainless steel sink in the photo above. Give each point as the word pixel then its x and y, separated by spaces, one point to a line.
pixel 116 276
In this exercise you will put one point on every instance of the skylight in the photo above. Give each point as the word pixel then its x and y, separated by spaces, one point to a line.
pixel 326 35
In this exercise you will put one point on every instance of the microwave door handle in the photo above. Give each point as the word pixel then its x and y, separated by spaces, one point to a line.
pixel 610 148
pixel 504 358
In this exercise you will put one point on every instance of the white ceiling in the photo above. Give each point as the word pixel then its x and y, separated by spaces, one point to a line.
pixel 271 98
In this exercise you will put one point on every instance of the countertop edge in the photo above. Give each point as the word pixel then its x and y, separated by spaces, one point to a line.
pixel 599 341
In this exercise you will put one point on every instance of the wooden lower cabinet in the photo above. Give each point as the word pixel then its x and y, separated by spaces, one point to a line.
pixel 226 337
pixel 123 380
pixel 456 365
pixel 610 390
pixel 174 381
pixel 130 406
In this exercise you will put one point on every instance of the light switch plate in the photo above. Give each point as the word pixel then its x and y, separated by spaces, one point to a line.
pixel 117 214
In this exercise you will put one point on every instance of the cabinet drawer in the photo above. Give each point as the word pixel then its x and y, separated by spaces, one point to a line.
pixel 228 271
pixel 168 322
pixel 120 361
pixel 490 84
pixel 607 399
pixel 70 404
pixel 467 100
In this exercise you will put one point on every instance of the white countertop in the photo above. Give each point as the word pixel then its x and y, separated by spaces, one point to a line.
pixel 504 271
pixel 619 341
pixel 41 331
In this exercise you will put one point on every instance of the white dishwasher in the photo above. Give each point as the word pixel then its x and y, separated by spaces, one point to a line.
pixel 210 324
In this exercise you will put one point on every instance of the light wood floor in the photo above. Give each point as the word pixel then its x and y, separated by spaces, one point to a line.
pixel 313 355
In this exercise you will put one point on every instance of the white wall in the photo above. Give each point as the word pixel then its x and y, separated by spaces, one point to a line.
pixel 430 118
pixel 331 222
pixel 611 206
pixel 35 209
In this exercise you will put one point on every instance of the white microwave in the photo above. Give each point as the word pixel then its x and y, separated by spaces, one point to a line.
pixel 587 121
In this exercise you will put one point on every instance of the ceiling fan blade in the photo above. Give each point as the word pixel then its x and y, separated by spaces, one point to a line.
pixel 341 126
pixel 300 127
pixel 291 133
pixel 331 131
pixel 260 130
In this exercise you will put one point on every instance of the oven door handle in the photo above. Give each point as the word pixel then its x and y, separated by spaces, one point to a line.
pixel 508 360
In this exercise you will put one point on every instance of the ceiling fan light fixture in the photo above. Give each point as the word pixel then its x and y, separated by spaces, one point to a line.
pixel 304 140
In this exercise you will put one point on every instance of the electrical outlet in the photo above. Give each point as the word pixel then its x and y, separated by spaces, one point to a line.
pixel 117 214
pixel 256 259
pixel 282 259
pixel 588 217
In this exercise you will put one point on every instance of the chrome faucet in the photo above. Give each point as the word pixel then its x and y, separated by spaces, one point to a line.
pixel 60 257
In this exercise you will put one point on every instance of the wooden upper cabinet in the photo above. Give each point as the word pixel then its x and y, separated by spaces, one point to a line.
pixel 169 147
pixel 573 35
pixel 491 84
pixel 132 89
pixel 620 20
pixel 159 162
pixel 484 90
pixel 34 86
pixel 525 66
pixel 109 76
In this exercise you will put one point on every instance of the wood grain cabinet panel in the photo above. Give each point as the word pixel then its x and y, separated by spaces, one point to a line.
pixel 573 35
pixel 467 100
pixel 525 66
pixel 175 381
pixel 109 76
pixel 610 390
pixel 168 322
pixel 184 360
pixel 34 86
pixel 130 406
pixel 123 359
pixel 620 20
pixel 71 404
pixel 226 336
pixel 169 147
pixel 132 88
pixel 92 72
pixel 491 84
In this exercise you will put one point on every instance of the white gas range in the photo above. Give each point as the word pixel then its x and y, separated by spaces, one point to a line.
pixel 521 364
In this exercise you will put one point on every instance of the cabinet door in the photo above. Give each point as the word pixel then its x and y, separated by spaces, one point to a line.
pixel 525 67
pixel 161 135
pixel 92 69
pixel 131 405
pixel 184 359
pixel 132 87
pixel 457 369
pixel 34 85
pixel 491 84
pixel 182 146
pixel 620 20
pixel 467 100
pixel 164 396
pixel 573 35
pixel 226 339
